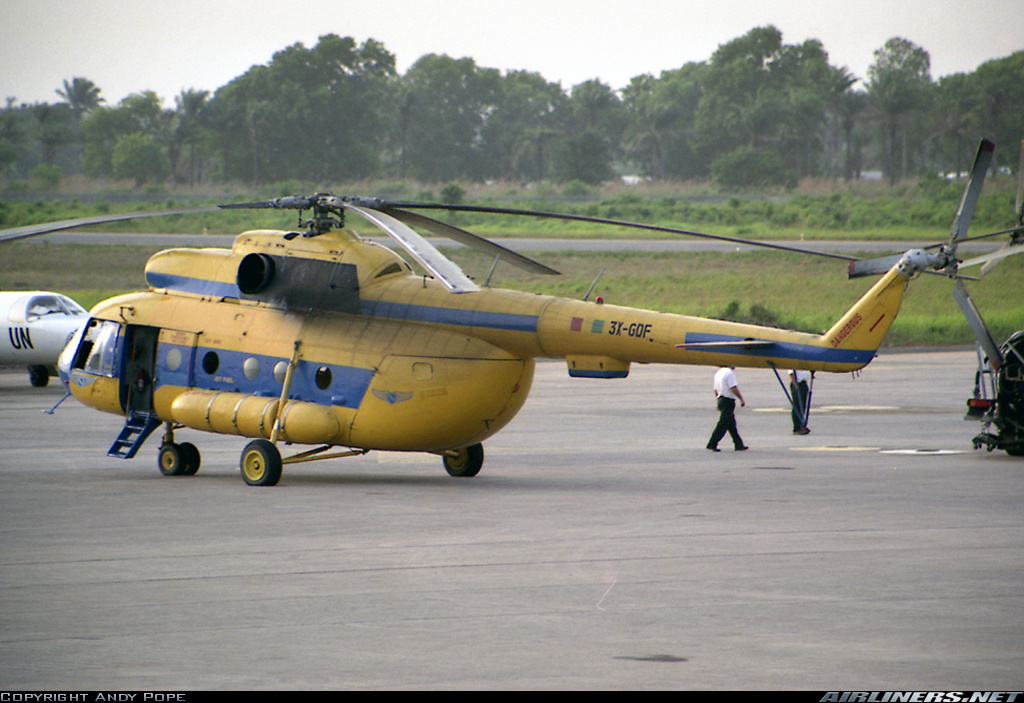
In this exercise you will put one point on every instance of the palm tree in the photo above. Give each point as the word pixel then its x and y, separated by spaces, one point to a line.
pixel 839 82
pixel 531 151
pixel 82 95
pixel 898 83
pixel 851 104
pixel 191 106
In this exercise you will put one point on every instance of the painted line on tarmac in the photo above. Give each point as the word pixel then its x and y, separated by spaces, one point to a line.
pixel 835 409
pixel 829 448
pixel 926 452
pixel 920 452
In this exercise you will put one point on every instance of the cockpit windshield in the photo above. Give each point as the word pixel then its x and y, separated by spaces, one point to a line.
pixel 96 353
pixel 51 304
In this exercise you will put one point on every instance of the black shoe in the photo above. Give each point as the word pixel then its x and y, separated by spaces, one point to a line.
pixel 802 430
pixel 713 449
pixel 742 448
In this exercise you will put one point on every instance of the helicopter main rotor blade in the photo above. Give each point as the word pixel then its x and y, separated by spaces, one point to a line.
pixel 444 229
pixel 605 221
pixel 419 248
pixel 977 325
pixel 10 235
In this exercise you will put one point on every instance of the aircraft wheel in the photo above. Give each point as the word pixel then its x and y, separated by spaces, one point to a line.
pixel 39 376
pixel 190 455
pixel 172 461
pixel 467 463
pixel 261 463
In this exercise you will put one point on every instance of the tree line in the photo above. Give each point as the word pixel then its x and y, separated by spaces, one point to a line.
pixel 758 112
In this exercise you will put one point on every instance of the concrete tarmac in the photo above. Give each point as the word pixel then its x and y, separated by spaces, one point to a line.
pixel 601 547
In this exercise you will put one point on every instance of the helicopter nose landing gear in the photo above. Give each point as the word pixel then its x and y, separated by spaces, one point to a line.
pixel 464 462
pixel 178 459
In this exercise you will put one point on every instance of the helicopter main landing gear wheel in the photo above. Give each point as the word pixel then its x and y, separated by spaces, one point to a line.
pixel 261 463
pixel 178 459
pixel 464 462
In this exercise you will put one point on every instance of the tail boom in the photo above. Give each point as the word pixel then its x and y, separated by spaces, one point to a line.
pixel 597 335
pixel 850 344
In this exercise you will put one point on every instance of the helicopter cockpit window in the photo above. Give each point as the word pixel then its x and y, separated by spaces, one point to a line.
pixel 389 270
pixel 96 353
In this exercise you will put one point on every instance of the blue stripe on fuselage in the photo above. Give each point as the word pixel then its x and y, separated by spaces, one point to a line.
pixel 780 350
pixel 195 286
pixel 345 386
pixel 371 308
pixel 449 316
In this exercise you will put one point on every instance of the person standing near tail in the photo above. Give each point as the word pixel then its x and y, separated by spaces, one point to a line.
pixel 727 392
pixel 800 395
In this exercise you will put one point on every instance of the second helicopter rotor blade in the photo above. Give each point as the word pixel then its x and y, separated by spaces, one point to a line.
pixel 15 233
pixel 471 240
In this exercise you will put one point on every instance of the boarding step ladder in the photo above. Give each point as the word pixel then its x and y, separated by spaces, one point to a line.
pixel 137 427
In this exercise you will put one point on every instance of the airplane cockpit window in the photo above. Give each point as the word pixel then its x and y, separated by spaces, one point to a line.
pixel 96 353
pixel 42 305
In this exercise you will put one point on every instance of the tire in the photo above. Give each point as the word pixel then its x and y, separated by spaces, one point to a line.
pixel 261 463
pixel 468 462
pixel 190 455
pixel 171 460
pixel 39 376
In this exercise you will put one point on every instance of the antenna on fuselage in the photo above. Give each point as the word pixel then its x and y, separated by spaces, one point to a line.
pixel 487 283
pixel 592 285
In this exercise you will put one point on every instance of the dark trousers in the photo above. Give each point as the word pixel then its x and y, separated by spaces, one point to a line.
pixel 799 392
pixel 726 423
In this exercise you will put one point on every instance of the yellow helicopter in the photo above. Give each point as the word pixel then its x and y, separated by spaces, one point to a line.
pixel 319 337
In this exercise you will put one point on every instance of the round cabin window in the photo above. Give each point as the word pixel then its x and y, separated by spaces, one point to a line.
pixel 211 362
pixel 323 378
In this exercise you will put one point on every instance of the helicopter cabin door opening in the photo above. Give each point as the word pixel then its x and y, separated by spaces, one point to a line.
pixel 138 375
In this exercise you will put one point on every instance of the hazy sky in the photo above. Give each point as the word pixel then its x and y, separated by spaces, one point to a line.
pixel 126 46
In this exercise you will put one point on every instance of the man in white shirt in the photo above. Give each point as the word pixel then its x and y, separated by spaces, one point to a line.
pixel 727 392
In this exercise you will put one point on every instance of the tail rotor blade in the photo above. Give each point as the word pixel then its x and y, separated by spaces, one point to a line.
pixel 972 190
pixel 1018 204
pixel 958 232
pixel 977 325
pixel 872 267
pixel 1017 237
pixel 991 259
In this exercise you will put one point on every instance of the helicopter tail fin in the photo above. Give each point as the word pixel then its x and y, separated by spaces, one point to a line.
pixel 865 325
